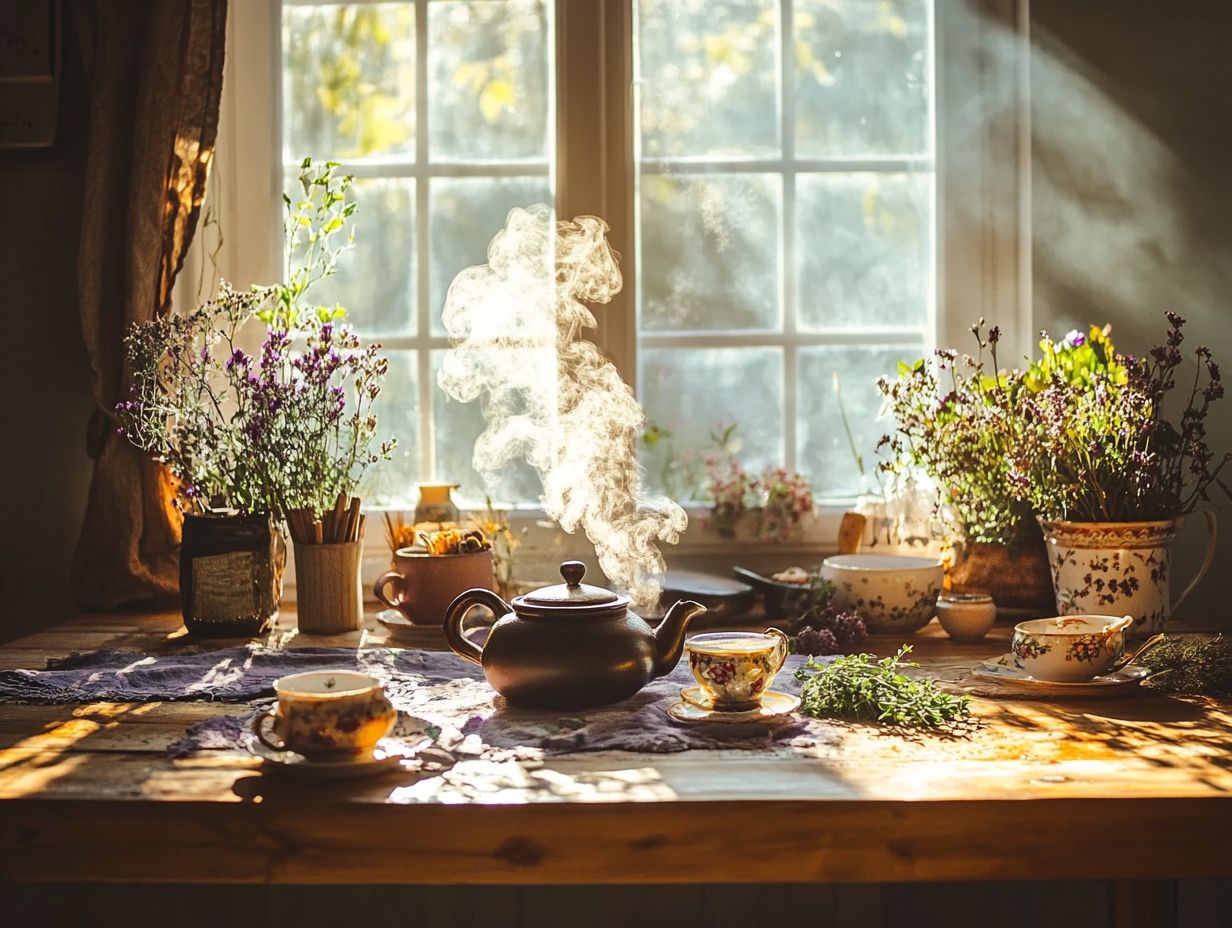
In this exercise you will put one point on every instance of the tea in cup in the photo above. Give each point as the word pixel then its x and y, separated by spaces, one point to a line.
pixel 734 669
pixel 326 713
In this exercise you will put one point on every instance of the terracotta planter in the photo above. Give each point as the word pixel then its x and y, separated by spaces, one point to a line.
pixel 230 574
pixel 327 591
pixel 1119 568
pixel 1015 576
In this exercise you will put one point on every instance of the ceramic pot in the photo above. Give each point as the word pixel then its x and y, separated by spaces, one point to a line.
pixel 328 599
pixel 436 504
pixel 421 587
pixel 1015 576
pixel 1120 568
pixel 230 574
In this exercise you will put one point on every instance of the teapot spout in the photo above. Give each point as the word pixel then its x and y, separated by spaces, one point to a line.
pixel 669 636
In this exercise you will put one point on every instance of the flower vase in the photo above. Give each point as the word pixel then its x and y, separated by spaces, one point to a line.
pixel 1120 568
pixel 328 597
pixel 1016 576
pixel 230 574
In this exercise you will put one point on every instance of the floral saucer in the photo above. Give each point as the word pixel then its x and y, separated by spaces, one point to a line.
pixel 695 706
pixel 1004 670
pixel 408 736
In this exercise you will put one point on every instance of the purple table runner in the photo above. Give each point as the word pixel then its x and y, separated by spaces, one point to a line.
pixel 437 686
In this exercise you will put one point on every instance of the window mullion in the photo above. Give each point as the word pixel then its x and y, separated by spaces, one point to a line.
pixel 787 250
pixel 427 442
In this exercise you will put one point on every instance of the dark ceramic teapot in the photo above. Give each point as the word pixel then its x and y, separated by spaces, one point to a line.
pixel 569 646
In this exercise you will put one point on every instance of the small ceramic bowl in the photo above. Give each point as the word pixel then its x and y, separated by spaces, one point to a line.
pixel 1069 649
pixel 966 616
pixel 891 593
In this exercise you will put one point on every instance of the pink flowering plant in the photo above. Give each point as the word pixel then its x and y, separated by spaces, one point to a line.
pixel 286 427
pixel 1098 444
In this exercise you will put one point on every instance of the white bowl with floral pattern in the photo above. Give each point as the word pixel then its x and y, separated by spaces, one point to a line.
pixel 1070 648
pixel 891 593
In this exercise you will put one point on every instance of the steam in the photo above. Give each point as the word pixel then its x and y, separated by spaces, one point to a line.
pixel 550 396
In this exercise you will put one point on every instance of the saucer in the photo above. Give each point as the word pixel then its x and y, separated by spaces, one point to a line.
pixel 403 630
pixel 1003 670
pixel 408 736
pixel 694 707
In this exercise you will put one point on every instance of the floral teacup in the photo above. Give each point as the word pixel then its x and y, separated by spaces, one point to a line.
pixel 1069 649
pixel 736 668
pixel 326 712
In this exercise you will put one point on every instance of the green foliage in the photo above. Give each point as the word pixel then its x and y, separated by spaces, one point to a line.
pixel 862 688
pixel 311 226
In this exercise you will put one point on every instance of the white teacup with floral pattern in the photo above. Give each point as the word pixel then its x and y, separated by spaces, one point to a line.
pixel 736 668
pixel 327 712
pixel 1071 648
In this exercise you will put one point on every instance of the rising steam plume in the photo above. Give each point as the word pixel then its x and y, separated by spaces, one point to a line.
pixel 549 395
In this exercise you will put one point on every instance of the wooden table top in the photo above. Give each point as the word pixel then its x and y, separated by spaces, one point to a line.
pixel 1131 787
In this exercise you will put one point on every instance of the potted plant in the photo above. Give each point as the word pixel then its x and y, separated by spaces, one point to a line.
pixel 186 407
pixel 957 423
pixel 255 438
pixel 1110 476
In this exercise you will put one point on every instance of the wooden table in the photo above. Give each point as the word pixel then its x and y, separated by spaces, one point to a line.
pixel 1127 788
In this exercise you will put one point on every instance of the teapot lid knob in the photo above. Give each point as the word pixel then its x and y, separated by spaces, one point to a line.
pixel 573 572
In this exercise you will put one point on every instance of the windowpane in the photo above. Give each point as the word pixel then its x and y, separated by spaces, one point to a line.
pixel 692 391
pixel 348 81
pixel 397 410
pixel 825 453
pixel 710 252
pixel 457 425
pixel 863 249
pixel 861 77
pixel 375 280
pixel 466 213
pixel 488 80
pixel 708 77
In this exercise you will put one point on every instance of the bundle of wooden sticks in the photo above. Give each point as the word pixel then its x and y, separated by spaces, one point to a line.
pixel 341 524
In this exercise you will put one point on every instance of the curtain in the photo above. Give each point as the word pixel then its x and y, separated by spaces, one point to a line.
pixel 155 73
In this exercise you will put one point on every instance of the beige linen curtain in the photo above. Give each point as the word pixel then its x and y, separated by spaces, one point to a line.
pixel 155 72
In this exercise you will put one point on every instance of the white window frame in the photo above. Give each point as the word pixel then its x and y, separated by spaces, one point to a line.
pixel 981 187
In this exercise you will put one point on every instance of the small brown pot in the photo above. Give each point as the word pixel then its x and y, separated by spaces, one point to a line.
pixel 327 591
pixel 230 574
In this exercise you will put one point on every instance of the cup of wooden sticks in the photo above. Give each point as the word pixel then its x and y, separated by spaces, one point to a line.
pixel 328 552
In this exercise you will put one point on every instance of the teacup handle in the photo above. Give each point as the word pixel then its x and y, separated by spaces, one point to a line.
pixel 387 578
pixel 259 729
pixel 1212 530
pixel 784 647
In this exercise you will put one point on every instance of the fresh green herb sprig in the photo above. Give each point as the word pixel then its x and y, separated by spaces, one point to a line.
pixel 1196 666
pixel 862 688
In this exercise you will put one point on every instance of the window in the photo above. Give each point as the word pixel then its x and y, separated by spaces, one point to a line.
pixel 800 188
pixel 785 216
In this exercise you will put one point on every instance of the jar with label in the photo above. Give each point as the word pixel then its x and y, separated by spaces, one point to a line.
pixel 230 574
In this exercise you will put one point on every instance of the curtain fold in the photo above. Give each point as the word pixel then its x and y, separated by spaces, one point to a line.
pixel 155 72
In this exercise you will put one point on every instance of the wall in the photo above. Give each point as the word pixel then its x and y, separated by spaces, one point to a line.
pixel 1132 195
pixel 44 469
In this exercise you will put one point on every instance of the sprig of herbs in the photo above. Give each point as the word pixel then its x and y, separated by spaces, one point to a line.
pixel 1198 666
pixel 862 688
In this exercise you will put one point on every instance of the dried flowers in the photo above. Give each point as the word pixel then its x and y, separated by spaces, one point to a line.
pixel 287 427
pixel 822 628
pixel 1095 444
pixel 454 541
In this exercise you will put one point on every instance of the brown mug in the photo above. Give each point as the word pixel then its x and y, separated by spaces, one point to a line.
pixel 421 587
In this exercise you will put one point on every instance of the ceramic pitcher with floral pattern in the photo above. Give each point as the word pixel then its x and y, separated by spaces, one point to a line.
pixel 1119 568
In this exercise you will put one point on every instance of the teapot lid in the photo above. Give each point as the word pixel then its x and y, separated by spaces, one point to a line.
pixel 573 592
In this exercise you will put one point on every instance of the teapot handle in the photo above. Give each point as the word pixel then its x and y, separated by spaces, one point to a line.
pixel 456 613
